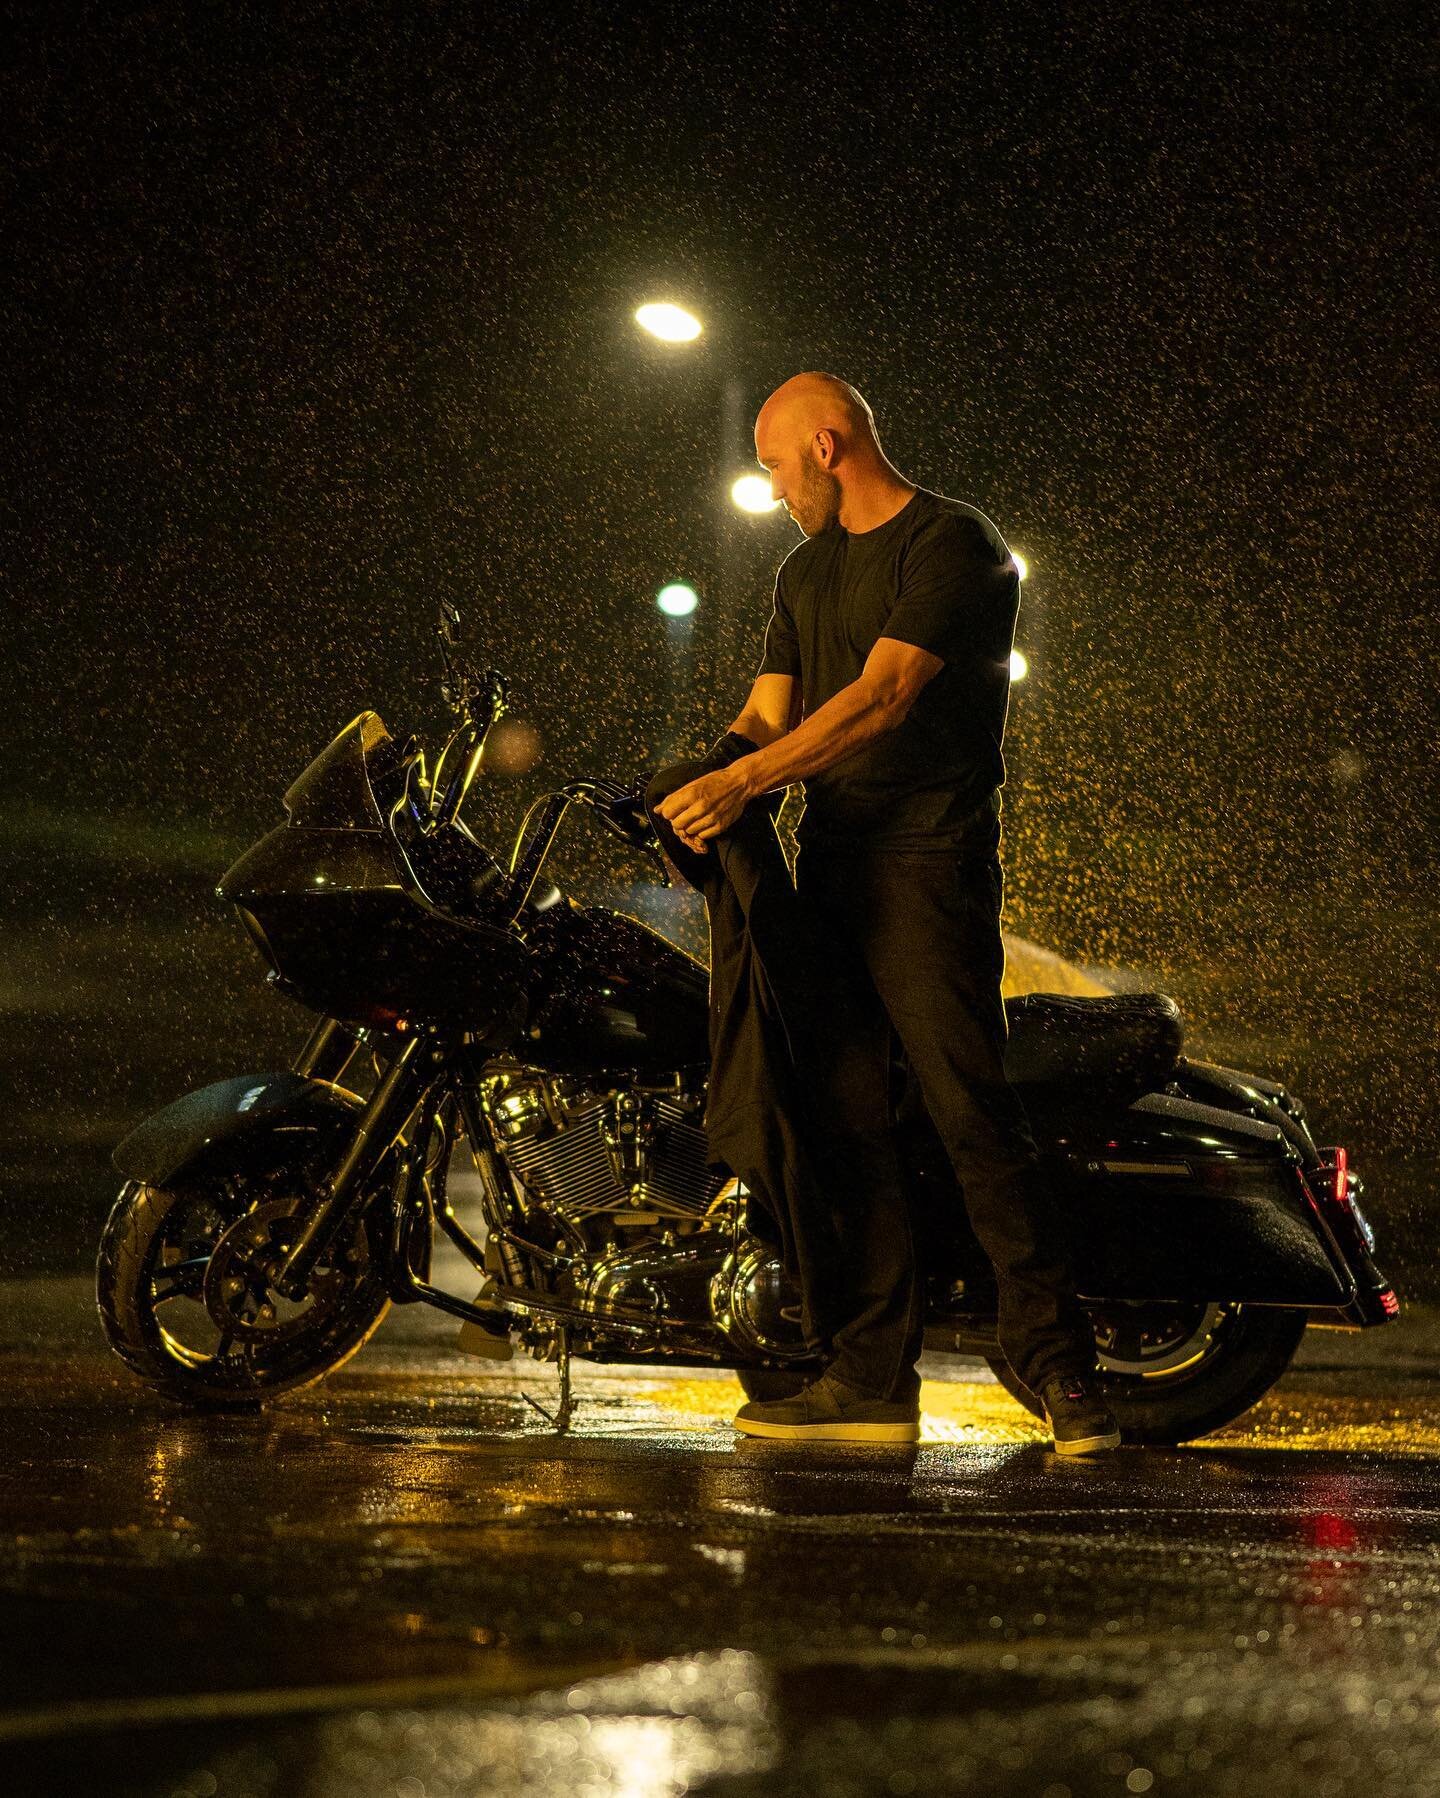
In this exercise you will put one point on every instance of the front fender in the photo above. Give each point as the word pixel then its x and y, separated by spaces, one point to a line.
pixel 187 1137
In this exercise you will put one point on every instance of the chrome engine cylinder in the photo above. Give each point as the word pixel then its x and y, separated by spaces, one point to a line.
pixel 581 1153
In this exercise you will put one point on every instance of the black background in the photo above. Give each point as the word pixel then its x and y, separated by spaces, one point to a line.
pixel 317 314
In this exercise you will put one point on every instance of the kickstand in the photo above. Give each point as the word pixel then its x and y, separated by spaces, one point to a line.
pixel 561 1416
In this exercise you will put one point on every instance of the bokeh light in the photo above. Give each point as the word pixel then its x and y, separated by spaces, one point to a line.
pixel 513 747
pixel 677 600
pixel 671 324
pixel 751 493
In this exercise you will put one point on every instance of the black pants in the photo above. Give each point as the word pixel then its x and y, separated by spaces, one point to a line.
pixel 918 949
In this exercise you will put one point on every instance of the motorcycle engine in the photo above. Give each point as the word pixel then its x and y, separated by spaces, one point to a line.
pixel 624 1171
pixel 634 1155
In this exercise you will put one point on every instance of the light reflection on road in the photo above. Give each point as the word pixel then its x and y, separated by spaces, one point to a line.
pixel 979 1413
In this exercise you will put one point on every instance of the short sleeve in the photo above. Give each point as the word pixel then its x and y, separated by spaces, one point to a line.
pixel 952 582
pixel 782 648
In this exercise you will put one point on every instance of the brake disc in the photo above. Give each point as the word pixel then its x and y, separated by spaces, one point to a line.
pixel 240 1292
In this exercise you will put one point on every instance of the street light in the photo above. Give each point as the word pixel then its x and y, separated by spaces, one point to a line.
pixel 1022 567
pixel 752 494
pixel 1019 664
pixel 677 600
pixel 671 324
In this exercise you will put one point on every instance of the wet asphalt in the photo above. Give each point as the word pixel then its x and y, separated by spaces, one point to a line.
pixel 403 1582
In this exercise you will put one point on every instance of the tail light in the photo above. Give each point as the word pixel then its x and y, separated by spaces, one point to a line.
pixel 1344 1188
pixel 1334 1180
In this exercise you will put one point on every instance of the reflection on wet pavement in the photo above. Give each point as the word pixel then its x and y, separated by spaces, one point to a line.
pixel 403 1582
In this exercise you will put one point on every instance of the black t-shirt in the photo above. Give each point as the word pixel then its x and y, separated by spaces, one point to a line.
pixel 937 575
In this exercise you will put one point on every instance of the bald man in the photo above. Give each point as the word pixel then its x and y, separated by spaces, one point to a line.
pixel 884 688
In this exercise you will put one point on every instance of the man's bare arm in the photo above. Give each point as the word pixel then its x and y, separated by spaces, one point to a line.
pixel 772 709
pixel 874 703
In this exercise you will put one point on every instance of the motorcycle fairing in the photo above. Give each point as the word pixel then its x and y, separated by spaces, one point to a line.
pixel 348 936
pixel 184 1137
pixel 336 791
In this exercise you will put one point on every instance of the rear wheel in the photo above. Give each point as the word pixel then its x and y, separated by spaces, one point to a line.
pixel 185 1289
pixel 1174 1372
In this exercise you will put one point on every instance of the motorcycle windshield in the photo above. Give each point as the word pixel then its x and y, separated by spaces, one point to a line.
pixel 336 792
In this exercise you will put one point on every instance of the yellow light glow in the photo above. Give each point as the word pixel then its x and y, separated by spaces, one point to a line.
pixel 1022 567
pixel 512 747
pixel 1019 664
pixel 671 324
pixel 752 494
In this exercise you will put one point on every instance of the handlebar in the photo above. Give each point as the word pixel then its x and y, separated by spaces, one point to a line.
pixel 622 809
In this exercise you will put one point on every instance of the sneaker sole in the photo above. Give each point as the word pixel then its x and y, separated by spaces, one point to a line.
pixel 1089 1445
pixel 899 1435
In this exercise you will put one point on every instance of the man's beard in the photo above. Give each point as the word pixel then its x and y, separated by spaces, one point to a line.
pixel 818 503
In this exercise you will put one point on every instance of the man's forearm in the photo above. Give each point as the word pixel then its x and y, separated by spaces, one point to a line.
pixel 854 717
pixel 760 731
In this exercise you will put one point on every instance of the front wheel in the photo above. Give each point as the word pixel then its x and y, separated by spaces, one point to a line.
pixel 184 1293
pixel 1174 1372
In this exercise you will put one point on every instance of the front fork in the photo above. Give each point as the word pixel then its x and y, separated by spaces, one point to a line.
pixel 401 1089
pixel 411 1088
pixel 329 1049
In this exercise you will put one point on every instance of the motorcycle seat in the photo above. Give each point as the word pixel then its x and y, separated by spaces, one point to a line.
pixel 1113 1048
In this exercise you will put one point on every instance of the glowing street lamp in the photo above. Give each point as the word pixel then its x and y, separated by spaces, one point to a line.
pixel 752 494
pixel 1022 567
pixel 677 600
pixel 1019 664
pixel 671 324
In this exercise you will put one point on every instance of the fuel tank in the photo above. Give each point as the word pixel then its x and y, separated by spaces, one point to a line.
pixel 614 996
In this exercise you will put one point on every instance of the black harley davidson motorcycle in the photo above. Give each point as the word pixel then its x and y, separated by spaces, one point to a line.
pixel 268 1222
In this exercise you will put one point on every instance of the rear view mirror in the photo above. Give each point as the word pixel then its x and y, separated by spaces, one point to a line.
pixel 461 681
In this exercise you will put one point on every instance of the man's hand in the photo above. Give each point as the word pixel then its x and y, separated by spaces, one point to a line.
pixel 707 806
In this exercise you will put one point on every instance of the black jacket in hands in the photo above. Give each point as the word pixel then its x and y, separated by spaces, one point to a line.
pixel 768 985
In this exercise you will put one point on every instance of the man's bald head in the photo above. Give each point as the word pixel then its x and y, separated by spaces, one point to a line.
pixel 808 403
pixel 816 436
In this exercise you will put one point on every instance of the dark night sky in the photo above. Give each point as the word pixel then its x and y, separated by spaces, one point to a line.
pixel 321 312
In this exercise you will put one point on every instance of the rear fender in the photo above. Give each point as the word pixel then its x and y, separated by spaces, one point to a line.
pixel 1183 1201
pixel 193 1134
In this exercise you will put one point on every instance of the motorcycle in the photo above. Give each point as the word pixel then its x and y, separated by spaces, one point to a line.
pixel 471 1010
